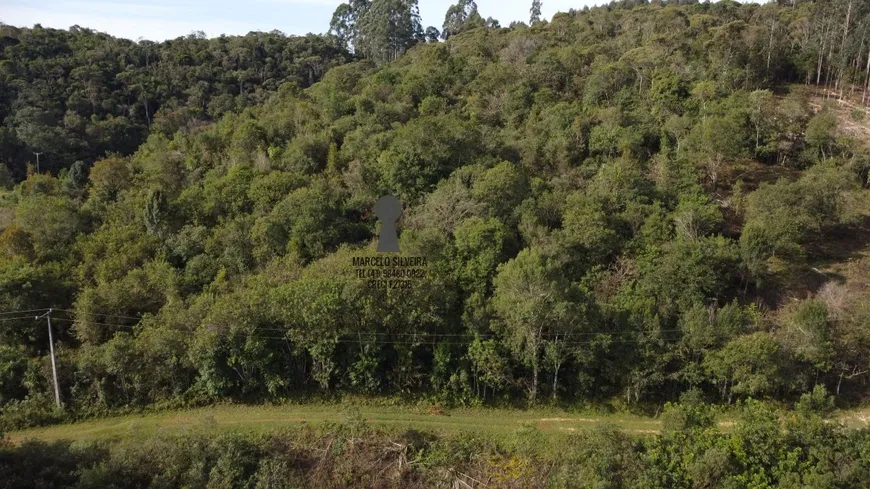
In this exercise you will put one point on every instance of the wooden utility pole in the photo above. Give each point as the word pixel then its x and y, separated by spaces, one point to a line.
pixel 47 317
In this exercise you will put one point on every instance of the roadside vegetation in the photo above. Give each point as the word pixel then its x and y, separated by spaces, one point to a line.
pixel 623 207
pixel 761 449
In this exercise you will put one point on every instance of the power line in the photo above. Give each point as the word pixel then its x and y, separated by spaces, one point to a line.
pixel 78 313
pixel 388 334
pixel 381 342
pixel 24 311
pixel 422 338
pixel 406 338
pixel 422 342
pixel 492 335
pixel 419 339
pixel 17 318
pixel 94 322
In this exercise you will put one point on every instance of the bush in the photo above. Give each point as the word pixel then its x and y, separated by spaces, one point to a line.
pixel 816 402
pixel 759 449
pixel 30 412
pixel 686 417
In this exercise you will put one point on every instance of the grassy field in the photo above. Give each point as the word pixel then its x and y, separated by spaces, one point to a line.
pixel 267 418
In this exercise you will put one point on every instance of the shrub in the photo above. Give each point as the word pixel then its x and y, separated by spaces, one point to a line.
pixel 30 412
pixel 816 402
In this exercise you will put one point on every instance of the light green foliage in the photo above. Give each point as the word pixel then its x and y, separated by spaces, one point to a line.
pixel 111 251
pixel 274 473
pixel 481 246
pixel 460 17
pixel 146 289
pixel 502 188
pixel 448 205
pixel 704 330
pixel 39 184
pixel 818 401
pixel 695 216
pixel 221 196
pixel 489 366
pixel 306 222
pixel 537 307
pixel 782 216
pixel 685 272
pixel 556 136
pixel 615 206
pixel 386 28
pixel 821 131
pixel 807 335
pixel 77 177
pixel 156 213
pixel 423 152
pixel 52 222
pixel 109 177
pixel 748 365
pixel 596 459
pixel 589 230
pixel 716 141
pixel 762 115
pixel 269 189
pixel 686 417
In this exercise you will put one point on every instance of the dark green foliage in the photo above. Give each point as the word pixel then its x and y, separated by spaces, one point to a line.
pixel 460 17
pixel 615 206
pixel 378 29
pixel 79 94
pixel 155 212
pixel 78 176
pixel 762 450
pixel 816 402
pixel 535 12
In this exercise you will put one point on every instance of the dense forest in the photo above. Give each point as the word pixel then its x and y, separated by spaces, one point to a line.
pixel 621 205
pixel 79 95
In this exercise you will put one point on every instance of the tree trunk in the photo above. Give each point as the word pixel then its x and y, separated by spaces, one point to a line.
pixel 842 67
pixel 846 29
pixel 821 58
pixel 828 73
pixel 534 393
pixel 856 65
pixel 556 380
pixel 770 46
pixel 757 136
pixel 867 79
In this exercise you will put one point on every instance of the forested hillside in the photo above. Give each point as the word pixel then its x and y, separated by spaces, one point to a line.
pixel 77 95
pixel 620 205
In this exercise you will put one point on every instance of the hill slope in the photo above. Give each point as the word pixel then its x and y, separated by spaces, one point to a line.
pixel 623 205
